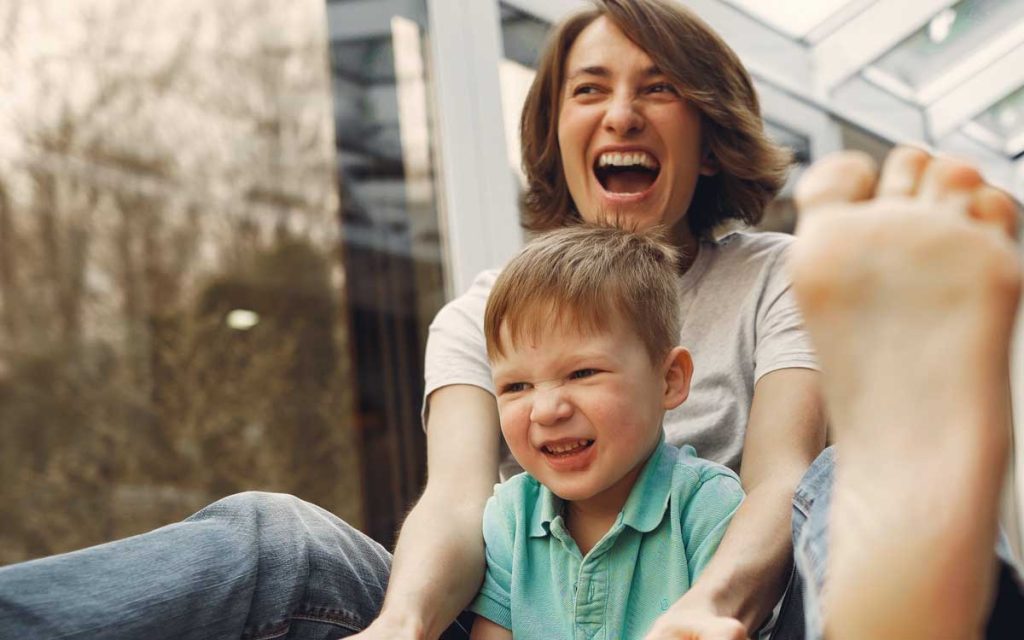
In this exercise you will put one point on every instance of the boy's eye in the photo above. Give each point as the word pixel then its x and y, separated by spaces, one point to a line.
pixel 582 373
pixel 514 387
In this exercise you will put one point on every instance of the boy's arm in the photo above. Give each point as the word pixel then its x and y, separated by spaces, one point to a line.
pixel 484 629
pixel 439 558
pixel 748 574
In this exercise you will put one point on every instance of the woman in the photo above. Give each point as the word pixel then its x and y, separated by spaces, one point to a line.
pixel 641 113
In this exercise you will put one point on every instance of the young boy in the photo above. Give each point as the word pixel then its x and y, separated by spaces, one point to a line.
pixel 610 525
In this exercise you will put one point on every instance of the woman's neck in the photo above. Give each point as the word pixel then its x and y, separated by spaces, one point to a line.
pixel 687 244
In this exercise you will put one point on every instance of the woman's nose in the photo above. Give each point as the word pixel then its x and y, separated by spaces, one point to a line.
pixel 550 406
pixel 622 117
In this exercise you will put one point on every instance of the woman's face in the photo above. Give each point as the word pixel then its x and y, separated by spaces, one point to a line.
pixel 630 144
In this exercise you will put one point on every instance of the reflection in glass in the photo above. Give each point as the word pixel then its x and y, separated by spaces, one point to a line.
pixel 391 240
pixel 172 304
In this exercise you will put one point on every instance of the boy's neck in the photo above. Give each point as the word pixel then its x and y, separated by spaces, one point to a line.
pixel 589 520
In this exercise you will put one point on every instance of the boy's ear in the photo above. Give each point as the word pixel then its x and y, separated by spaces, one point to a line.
pixel 678 368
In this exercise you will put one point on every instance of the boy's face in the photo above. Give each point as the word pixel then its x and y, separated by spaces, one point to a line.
pixel 582 412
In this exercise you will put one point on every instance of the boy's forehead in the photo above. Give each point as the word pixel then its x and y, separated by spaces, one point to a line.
pixel 539 326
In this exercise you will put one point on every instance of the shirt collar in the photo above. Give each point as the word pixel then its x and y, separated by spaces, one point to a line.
pixel 644 509
pixel 647 502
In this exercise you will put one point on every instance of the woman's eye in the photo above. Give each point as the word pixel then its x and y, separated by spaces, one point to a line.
pixel 582 373
pixel 584 89
pixel 661 87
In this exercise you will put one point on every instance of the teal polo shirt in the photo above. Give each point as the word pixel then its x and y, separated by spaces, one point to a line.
pixel 539 585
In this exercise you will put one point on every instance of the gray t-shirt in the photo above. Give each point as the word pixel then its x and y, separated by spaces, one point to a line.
pixel 739 322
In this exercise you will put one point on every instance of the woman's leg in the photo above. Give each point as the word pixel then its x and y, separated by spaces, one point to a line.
pixel 253 565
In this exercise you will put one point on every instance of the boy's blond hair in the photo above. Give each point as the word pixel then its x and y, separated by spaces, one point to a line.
pixel 588 276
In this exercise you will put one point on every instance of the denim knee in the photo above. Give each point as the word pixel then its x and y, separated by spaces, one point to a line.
pixel 313 567
pixel 252 504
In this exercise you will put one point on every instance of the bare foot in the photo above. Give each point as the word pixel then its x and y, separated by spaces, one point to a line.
pixel 909 286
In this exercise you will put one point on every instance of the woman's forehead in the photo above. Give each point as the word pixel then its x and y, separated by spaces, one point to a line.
pixel 602 43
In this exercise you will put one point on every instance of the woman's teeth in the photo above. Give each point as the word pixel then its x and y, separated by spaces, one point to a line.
pixel 629 159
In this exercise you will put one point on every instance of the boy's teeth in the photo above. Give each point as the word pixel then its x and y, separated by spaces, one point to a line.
pixel 562 448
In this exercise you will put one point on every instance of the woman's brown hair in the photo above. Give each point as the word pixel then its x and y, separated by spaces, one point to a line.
pixel 708 74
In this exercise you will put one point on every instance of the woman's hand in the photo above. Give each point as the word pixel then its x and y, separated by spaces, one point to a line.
pixel 693 624
pixel 385 629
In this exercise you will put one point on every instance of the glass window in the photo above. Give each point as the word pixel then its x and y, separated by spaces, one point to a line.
pixel 205 287
pixel 391 240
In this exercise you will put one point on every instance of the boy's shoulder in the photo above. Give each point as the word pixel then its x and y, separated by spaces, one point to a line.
pixel 522 486
pixel 517 496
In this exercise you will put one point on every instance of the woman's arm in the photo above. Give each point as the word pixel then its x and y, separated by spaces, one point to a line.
pixel 484 629
pixel 748 574
pixel 439 558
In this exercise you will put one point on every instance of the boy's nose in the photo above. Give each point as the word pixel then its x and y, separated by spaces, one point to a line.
pixel 550 406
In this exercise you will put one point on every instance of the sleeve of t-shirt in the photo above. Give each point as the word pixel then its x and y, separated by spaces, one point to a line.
pixel 494 601
pixel 782 341
pixel 706 517
pixel 456 351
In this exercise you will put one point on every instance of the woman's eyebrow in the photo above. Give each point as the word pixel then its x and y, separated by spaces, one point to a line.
pixel 599 71
pixel 604 72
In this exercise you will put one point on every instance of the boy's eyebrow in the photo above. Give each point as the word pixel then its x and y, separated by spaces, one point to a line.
pixel 604 72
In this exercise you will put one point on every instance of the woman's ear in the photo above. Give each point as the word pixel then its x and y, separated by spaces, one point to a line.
pixel 678 371
pixel 708 163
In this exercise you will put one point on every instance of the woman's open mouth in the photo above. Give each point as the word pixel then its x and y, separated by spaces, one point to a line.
pixel 626 173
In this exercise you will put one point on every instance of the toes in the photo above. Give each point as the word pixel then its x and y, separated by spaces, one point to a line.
pixel 949 180
pixel 847 176
pixel 902 172
pixel 992 206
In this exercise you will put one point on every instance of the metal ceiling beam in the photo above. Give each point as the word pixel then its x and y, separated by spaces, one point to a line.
pixel 976 94
pixel 867 36
pixel 478 195
pixel 978 60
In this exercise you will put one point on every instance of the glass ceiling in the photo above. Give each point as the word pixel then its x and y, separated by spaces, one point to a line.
pixel 1002 124
pixel 795 18
pixel 956 41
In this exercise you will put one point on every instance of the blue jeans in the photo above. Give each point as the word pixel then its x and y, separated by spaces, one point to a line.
pixel 261 566
pixel 253 565
pixel 811 504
